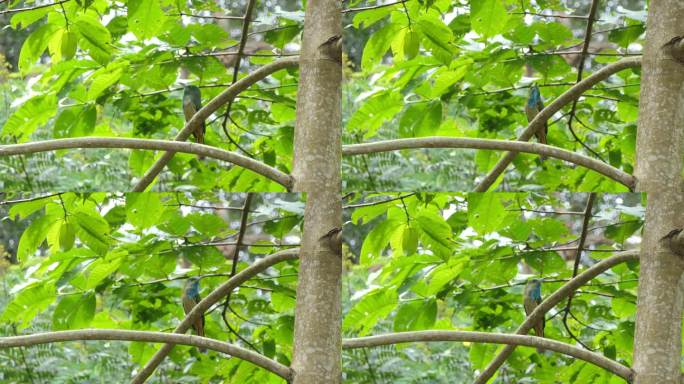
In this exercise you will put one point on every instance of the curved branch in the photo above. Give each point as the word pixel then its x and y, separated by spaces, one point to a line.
pixel 222 98
pixel 497 338
pixel 163 145
pixel 213 298
pixel 147 336
pixel 506 145
pixel 555 298
pixel 568 96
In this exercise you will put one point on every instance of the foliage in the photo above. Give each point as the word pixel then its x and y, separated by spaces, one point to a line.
pixel 463 69
pixel 460 261
pixel 101 69
pixel 119 261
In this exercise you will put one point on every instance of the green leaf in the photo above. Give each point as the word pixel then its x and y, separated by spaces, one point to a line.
pixel 545 262
pixel 145 17
pixel 548 230
pixel 446 79
pixel 485 212
pixel 627 111
pixel 143 210
pixel 437 38
pixel 206 223
pixel 436 233
pixel 208 34
pixel 35 45
pixel 488 17
pixel 95 38
pixel 374 112
pixel 74 312
pixel 76 121
pixel 104 78
pixel 28 303
pixel 102 268
pixel 444 274
pixel 623 308
pixel 377 46
pixel 409 240
pixel 172 222
pixel 416 315
pixel 377 239
pixel 93 231
pixel 620 233
pixel 282 302
pixel 33 237
pixel 23 19
pixel 29 116
pixel 421 119
pixel 624 37
pixel 25 209
pixel 373 307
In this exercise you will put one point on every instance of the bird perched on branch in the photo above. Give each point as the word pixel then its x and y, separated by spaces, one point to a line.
pixel 532 298
pixel 190 298
pixel 192 102
pixel 534 105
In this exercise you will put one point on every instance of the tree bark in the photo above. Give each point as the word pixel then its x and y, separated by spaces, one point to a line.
pixel 316 171
pixel 660 149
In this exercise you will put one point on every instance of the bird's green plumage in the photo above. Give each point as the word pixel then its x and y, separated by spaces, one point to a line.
pixel 531 299
pixel 190 298
pixel 192 102
pixel 533 106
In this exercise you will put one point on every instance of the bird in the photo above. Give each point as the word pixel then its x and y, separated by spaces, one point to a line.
pixel 532 298
pixel 190 298
pixel 534 105
pixel 192 102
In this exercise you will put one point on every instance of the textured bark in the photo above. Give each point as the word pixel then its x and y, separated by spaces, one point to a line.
pixel 316 171
pixel 660 149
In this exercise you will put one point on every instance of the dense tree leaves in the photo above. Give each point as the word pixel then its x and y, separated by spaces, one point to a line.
pixel 102 69
pixel 473 277
pixel 120 261
pixel 464 69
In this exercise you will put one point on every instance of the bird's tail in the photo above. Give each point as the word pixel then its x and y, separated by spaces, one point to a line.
pixel 539 332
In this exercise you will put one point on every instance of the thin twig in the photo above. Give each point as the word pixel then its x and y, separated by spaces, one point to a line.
pixel 9 202
pixel 580 69
pixel 555 16
pixel 233 269
pixel 212 17
pixel 353 206
pixel 9 11
pixel 372 7
pixel 236 67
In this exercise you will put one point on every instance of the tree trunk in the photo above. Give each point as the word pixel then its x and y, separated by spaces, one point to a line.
pixel 660 150
pixel 316 171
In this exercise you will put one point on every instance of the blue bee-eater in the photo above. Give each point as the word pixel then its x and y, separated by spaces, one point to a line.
pixel 190 298
pixel 532 298
pixel 192 102
pixel 534 105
